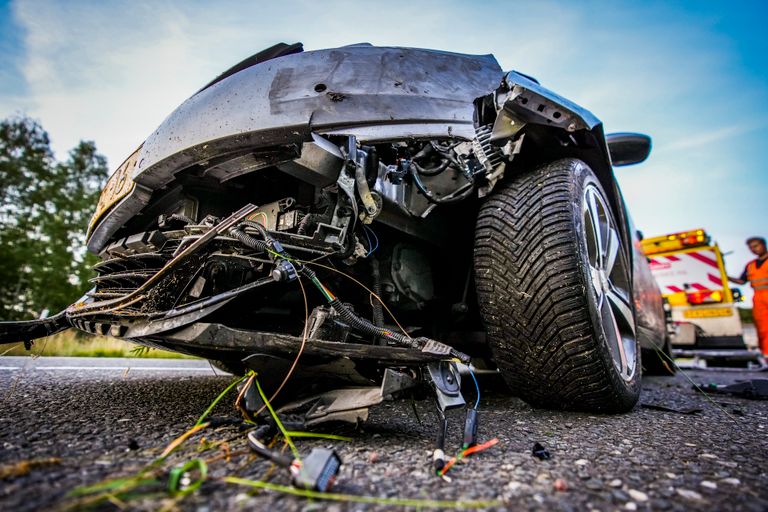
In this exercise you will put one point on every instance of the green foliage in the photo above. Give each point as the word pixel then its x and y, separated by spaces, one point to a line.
pixel 45 207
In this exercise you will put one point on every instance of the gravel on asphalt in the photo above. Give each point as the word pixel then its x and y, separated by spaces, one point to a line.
pixel 86 426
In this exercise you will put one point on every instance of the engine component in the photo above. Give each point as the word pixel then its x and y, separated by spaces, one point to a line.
pixel 284 271
pixel 411 274
pixel 271 215
pixel 319 164
pixel 360 161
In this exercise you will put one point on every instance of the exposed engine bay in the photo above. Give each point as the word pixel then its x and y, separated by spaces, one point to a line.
pixel 316 218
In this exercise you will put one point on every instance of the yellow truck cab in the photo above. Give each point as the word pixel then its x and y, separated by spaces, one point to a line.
pixel 689 269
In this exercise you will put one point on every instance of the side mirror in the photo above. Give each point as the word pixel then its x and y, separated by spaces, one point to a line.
pixel 628 148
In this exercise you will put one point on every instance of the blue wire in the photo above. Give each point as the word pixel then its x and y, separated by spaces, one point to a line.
pixel 368 238
pixel 371 247
pixel 477 386
pixel 376 238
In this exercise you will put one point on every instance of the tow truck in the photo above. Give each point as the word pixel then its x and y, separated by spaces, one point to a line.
pixel 706 325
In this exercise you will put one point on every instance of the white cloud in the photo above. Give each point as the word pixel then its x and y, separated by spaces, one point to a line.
pixel 699 139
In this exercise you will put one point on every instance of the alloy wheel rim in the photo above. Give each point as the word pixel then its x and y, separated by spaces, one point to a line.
pixel 610 281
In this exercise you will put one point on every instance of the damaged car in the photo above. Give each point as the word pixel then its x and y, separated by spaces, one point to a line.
pixel 368 220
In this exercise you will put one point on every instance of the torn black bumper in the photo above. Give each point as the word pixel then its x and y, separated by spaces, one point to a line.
pixel 14 332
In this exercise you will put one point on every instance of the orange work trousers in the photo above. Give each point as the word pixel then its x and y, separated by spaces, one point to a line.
pixel 760 313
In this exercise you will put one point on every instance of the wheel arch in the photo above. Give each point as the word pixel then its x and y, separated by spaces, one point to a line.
pixel 551 128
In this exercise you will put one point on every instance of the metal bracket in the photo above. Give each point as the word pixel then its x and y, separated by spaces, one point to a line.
pixel 446 381
pixel 356 162
pixel 395 381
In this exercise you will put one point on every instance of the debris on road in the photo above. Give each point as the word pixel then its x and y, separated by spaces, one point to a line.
pixel 755 389
pixel 540 452
pixel 622 453
pixel 664 408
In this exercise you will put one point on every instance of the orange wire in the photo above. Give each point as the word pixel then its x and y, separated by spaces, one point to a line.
pixel 465 453
pixel 301 348
pixel 448 465
pixel 183 437
pixel 241 395
pixel 480 447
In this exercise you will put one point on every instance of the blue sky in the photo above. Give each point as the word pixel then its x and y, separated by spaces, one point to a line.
pixel 690 74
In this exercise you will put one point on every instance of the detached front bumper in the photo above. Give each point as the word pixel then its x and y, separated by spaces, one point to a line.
pixel 26 331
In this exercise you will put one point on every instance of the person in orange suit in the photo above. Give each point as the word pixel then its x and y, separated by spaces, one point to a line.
pixel 756 273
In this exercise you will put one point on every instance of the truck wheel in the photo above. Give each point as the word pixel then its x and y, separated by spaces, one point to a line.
pixel 553 285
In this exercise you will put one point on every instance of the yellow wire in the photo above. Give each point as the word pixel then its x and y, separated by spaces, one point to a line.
pixel 277 420
pixel 396 502
pixel 319 435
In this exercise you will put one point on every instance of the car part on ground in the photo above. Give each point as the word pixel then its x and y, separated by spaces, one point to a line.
pixel 378 176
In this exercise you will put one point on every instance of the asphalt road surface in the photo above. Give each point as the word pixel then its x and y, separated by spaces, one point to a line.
pixel 66 423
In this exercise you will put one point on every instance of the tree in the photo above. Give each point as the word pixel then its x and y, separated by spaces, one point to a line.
pixel 45 207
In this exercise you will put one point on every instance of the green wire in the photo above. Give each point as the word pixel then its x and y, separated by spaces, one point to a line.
pixel 277 420
pixel 396 502
pixel 318 435
pixel 218 398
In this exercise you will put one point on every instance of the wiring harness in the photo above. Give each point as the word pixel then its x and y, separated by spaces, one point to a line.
pixel 288 269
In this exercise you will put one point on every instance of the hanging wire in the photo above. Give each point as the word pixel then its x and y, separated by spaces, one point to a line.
pixel 374 295
pixel 304 336
pixel 477 386
pixel 371 247
pixel 279 423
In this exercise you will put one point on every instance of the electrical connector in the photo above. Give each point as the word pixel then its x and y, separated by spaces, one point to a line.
pixel 470 429
pixel 276 246
pixel 284 271
pixel 318 470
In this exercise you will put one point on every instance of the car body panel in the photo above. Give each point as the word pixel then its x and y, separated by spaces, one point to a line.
pixel 374 92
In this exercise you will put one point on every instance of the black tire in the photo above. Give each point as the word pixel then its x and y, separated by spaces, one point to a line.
pixel 554 336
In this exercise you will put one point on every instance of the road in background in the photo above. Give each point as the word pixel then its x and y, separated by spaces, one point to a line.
pixel 108 364
pixel 109 417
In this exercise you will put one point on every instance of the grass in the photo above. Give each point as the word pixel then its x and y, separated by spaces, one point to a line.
pixel 72 343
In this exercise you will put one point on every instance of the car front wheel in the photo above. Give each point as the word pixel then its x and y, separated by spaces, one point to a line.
pixel 554 290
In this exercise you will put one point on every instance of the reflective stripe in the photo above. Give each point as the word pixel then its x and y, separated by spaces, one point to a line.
pixel 757 277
